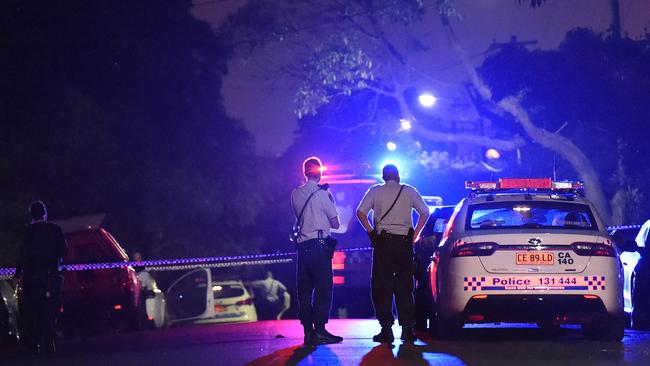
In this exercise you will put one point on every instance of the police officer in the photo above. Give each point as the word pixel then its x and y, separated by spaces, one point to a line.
pixel 316 212
pixel 393 235
pixel 40 279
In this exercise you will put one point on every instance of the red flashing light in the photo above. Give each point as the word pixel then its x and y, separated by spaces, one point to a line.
pixel 117 307
pixel 338 280
pixel 506 183
pixel 525 183
pixel 349 181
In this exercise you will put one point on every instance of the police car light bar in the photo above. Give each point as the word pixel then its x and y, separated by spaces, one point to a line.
pixel 525 183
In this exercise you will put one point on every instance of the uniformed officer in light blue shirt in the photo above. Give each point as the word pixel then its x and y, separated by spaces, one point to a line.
pixel 316 213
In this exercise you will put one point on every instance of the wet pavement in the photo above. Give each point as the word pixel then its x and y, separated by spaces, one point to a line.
pixel 277 343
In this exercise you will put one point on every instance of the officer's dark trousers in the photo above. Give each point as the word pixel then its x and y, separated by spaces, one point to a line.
pixel 39 307
pixel 392 274
pixel 314 283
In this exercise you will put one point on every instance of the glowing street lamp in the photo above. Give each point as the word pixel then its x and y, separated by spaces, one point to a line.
pixel 492 153
pixel 391 146
pixel 405 124
pixel 427 100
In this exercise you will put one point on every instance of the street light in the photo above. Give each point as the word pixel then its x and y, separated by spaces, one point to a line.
pixel 427 100
pixel 492 153
pixel 391 146
pixel 405 124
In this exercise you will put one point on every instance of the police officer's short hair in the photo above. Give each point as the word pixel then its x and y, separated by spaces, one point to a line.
pixel 390 172
pixel 311 167
pixel 37 210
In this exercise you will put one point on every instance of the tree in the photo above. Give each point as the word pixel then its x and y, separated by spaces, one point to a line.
pixel 590 83
pixel 367 49
pixel 370 49
pixel 115 107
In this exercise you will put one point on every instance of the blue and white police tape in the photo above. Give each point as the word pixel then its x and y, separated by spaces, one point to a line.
pixel 185 263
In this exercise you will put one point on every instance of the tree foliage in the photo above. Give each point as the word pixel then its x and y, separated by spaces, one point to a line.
pixel 592 89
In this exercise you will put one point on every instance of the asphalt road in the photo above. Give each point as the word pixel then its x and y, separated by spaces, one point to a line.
pixel 276 343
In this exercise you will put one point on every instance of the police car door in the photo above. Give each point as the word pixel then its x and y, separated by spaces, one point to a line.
pixel 190 297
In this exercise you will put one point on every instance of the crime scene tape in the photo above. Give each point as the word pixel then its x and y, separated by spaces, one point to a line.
pixel 186 263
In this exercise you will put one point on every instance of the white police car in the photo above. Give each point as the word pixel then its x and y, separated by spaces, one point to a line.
pixel 527 250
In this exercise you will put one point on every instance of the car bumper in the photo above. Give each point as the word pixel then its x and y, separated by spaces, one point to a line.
pixel 463 283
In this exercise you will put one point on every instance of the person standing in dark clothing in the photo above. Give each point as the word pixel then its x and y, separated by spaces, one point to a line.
pixel 40 279
pixel 316 213
pixel 392 238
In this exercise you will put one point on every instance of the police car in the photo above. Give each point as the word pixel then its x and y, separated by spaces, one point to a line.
pixel 527 251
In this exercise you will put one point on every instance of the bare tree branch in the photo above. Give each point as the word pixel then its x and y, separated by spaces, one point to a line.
pixel 557 143
pixel 477 140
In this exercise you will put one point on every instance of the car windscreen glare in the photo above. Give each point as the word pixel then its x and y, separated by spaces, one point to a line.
pixel 530 214
pixel 222 291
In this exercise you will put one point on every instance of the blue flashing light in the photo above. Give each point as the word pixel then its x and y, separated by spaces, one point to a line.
pixel 391 146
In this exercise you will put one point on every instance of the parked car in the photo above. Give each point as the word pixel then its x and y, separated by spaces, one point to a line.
pixel 527 250
pixel 632 242
pixel 198 298
pixel 9 331
pixel 96 299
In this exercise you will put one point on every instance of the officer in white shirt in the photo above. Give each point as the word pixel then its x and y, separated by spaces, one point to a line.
pixel 392 237
pixel 314 207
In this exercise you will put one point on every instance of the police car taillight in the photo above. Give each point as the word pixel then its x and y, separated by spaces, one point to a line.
pixel 462 249
pixel 594 249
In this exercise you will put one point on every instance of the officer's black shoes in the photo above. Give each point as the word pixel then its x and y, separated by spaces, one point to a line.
pixel 385 336
pixel 309 339
pixel 309 336
pixel 322 336
pixel 407 335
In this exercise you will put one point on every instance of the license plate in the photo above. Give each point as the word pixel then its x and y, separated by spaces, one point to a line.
pixel 535 258
pixel 219 309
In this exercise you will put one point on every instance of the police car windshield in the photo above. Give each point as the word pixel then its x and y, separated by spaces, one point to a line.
pixel 530 214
